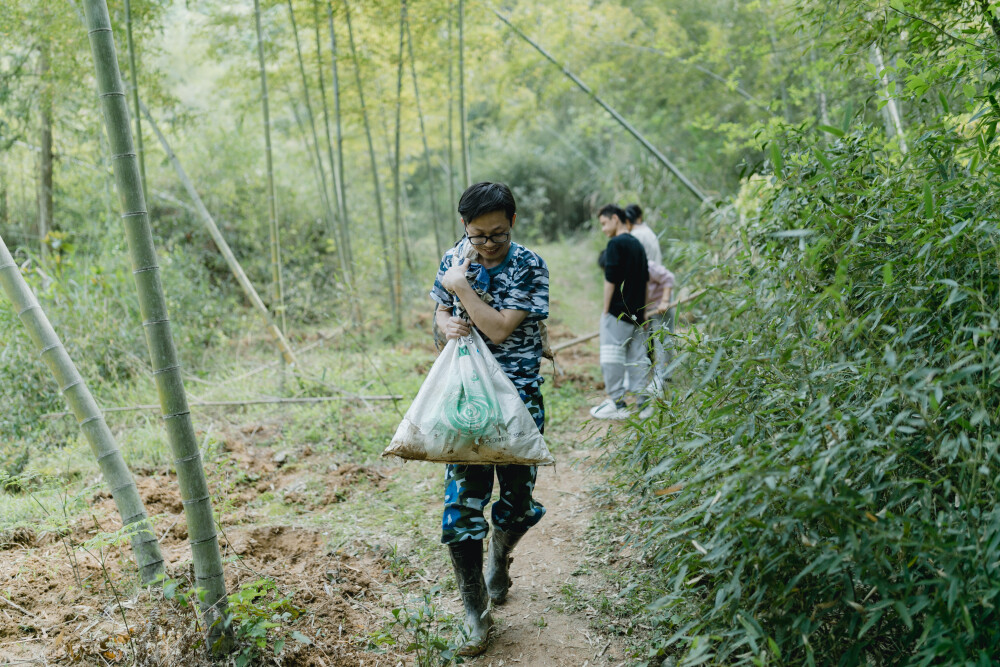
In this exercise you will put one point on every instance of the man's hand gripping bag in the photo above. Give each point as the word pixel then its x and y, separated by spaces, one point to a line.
pixel 468 411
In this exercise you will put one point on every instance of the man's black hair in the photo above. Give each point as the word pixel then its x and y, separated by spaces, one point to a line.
pixel 486 197
pixel 633 213
pixel 610 210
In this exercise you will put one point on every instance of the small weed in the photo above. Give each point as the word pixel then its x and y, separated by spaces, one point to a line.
pixel 428 632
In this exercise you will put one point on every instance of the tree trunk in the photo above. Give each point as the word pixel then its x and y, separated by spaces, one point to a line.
pixel 324 193
pixel 375 179
pixel 427 152
pixel 145 548
pixel 466 159
pixel 134 71
pixel 209 574
pixel 45 144
pixel 274 232
pixel 341 191
pixel 224 249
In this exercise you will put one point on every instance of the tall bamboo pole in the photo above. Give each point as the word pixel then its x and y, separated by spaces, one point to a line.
pixel 692 188
pixel 452 201
pixel 220 242
pixel 45 162
pixel 397 322
pixel 892 111
pixel 88 415
pixel 274 232
pixel 195 496
pixel 398 199
pixel 324 193
pixel 427 151
pixel 134 71
pixel 466 159
pixel 341 243
pixel 341 193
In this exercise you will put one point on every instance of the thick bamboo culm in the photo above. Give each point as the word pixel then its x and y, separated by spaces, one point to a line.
pixel 220 242
pixel 375 179
pixel 274 232
pixel 194 492
pixel 685 181
pixel 438 243
pixel 88 415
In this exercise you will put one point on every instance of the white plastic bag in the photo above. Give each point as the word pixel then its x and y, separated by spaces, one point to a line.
pixel 468 411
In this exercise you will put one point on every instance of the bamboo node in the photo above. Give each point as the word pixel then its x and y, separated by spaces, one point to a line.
pixel 193 543
pixel 208 576
pixel 188 458
pixel 91 32
pixel 135 518
pixel 24 310
pixel 120 156
pixel 49 348
pixel 155 267
pixel 177 414
pixel 93 419
pixel 113 93
pixel 107 454
pixel 134 214
pixel 168 368
pixel 149 322
pixel 71 385
pixel 195 500
pixel 122 487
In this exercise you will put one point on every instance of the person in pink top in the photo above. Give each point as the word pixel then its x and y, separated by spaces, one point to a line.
pixel 660 320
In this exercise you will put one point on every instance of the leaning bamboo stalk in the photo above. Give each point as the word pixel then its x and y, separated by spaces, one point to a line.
pixel 274 232
pixel 324 193
pixel 466 159
pixel 398 198
pixel 374 163
pixel 134 71
pixel 88 415
pixel 685 181
pixel 427 151
pixel 341 244
pixel 341 193
pixel 220 242
pixel 195 496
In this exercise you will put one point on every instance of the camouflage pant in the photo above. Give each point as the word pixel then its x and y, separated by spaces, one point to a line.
pixel 468 489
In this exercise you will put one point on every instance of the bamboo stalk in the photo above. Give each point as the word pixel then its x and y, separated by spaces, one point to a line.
pixel 254 401
pixel 134 71
pixel 438 244
pixel 452 201
pixel 324 193
pixel 207 561
pixel 45 163
pixel 341 192
pixel 466 159
pixel 398 198
pixel 220 242
pixel 105 449
pixel 895 121
pixel 375 179
pixel 341 244
pixel 614 114
pixel 274 232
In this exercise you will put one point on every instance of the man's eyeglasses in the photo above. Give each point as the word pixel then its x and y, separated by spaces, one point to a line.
pixel 496 238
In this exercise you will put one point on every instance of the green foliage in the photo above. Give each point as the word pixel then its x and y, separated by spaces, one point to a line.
pixel 430 634
pixel 262 617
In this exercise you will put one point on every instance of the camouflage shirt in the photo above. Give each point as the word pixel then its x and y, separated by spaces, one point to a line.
pixel 520 282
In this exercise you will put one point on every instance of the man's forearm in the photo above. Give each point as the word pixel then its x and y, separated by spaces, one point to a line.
pixel 489 320
pixel 609 290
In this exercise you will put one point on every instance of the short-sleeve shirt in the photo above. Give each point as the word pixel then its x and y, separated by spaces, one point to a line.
pixel 520 282
pixel 626 268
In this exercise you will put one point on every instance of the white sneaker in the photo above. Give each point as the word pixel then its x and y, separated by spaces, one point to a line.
pixel 601 406
pixel 608 410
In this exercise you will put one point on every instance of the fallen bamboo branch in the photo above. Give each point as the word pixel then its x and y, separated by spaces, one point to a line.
pixel 18 607
pixel 254 401
pixel 583 339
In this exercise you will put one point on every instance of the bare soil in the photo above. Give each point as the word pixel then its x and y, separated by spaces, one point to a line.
pixel 63 604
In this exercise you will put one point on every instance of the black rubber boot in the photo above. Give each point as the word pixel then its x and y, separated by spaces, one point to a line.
pixel 467 559
pixel 498 563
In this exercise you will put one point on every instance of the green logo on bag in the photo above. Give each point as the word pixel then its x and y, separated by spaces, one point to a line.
pixel 473 414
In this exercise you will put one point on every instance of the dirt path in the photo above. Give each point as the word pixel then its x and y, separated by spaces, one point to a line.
pixel 534 626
